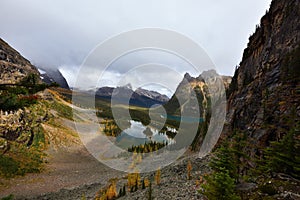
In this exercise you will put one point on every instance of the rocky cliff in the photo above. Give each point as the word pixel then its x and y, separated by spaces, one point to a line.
pixel 13 66
pixel 199 86
pixel 265 91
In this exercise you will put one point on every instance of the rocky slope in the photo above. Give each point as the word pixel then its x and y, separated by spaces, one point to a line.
pixel 265 90
pixel 13 66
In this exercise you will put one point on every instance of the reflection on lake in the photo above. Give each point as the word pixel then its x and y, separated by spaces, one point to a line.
pixel 139 134
pixel 182 118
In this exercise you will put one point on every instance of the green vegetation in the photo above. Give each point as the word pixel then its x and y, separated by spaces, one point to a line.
pixel 112 129
pixel 291 69
pixel 283 156
pixel 148 147
pixel 62 109
pixel 24 141
pixel 20 95
pixel 228 165
pixel 150 191
pixel 9 197
pixel 231 166
pixel 122 191
pixel 20 160
pixel 8 166
pixel 220 186
pixel 221 183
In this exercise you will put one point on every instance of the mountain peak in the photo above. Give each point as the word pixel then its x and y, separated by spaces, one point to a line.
pixel 53 75
pixel 187 76
pixel 128 86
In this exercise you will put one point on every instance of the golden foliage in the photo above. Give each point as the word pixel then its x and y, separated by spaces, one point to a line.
pixel 147 182
pixel 189 169
pixel 158 176
pixel 111 192
pixel 133 179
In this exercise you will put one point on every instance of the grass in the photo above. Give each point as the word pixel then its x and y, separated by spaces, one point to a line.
pixel 8 166
pixel 62 110
pixel 25 154
pixel 20 161
pixel 9 197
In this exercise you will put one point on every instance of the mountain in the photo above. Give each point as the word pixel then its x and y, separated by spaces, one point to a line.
pixel 199 86
pixel 14 67
pixel 264 94
pixel 54 75
pixel 139 97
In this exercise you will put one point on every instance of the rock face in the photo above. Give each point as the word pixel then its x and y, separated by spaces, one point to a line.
pixel 201 91
pixel 13 66
pixel 54 75
pixel 139 97
pixel 264 94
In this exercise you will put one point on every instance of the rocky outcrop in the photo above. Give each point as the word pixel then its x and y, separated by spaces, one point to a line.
pixel 265 91
pixel 201 91
pixel 13 66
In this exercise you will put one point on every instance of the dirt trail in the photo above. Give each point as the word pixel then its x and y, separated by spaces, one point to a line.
pixel 70 168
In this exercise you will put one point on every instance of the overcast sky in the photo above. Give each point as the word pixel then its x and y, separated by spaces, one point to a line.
pixel 61 33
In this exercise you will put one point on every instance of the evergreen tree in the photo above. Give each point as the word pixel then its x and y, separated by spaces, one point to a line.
pixel 143 184
pixel 120 193
pixel 150 192
pixel 225 160
pixel 220 186
pixel 124 190
pixel 284 156
pixel 226 166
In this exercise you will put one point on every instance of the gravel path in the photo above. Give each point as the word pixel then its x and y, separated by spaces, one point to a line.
pixel 75 170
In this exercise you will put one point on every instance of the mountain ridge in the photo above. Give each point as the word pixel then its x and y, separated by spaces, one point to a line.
pixel 54 76
pixel 140 97
pixel 14 67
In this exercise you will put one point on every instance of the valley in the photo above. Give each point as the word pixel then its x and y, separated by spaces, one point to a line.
pixel 215 138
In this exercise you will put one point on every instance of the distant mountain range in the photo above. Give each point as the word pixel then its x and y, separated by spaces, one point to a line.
pixel 139 97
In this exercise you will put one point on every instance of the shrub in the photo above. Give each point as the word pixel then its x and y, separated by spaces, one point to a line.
pixel 220 186
pixel 8 166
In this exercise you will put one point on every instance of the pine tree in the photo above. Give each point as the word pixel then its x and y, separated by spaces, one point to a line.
pixel 284 156
pixel 136 185
pixel 226 166
pixel 143 184
pixel 150 191
pixel 120 193
pixel 220 186
pixel 225 160
pixel 124 190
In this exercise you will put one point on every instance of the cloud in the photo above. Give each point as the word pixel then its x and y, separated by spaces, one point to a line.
pixel 55 33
